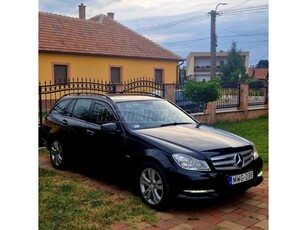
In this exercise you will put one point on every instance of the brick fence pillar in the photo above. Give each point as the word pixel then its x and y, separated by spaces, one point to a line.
pixel 119 87
pixel 244 99
pixel 210 112
pixel 170 91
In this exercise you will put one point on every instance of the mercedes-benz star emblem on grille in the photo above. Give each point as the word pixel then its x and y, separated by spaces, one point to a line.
pixel 239 160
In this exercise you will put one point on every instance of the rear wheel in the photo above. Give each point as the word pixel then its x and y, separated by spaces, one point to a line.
pixel 57 155
pixel 154 186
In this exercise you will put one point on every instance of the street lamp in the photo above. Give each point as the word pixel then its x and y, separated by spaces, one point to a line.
pixel 213 41
pixel 222 3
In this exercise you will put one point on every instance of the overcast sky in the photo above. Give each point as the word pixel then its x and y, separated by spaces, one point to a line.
pixel 183 26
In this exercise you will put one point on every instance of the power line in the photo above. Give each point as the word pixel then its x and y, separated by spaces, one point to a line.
pixel 240 33
pixel 238 4
pixel 201 17
pixel 247 9
pixel 223 36
pixel 175 23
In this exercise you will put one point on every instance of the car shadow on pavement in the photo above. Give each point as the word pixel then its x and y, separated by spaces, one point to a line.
pixel 119 180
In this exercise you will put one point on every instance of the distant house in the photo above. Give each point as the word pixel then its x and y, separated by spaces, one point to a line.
pixel 258 73
pixel 99 48
pixel 198 64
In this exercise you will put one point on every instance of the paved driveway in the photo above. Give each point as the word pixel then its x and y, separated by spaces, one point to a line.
pixel 247 211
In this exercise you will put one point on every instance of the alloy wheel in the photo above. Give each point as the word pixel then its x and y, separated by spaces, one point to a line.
pixel 56 153
pixel 151 186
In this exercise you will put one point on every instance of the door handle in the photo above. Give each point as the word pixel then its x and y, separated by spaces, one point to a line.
pixel 90 132
pixel 64 122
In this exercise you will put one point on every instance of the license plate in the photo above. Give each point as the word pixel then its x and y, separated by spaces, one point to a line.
pixel 240 178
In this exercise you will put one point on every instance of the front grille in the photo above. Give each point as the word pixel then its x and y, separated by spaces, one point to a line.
pixel 232 161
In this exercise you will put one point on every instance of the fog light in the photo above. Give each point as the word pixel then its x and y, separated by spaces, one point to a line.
pixel 260 174
pixel 199 191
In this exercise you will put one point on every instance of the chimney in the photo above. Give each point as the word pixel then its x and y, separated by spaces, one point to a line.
pixel 82 11
pixel 111 15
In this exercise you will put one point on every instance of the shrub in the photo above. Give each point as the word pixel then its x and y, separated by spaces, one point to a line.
pixel 201 92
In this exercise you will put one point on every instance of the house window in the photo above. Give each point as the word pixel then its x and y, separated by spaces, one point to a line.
pixel 60 73
pixel 115 74
pixel 158 75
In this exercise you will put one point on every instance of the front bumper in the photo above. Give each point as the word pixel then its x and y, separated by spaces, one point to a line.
pixel 210 185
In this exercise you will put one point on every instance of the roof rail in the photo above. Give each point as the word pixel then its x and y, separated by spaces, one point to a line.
pixel 114 93
pixel 140 92
pixel 87 93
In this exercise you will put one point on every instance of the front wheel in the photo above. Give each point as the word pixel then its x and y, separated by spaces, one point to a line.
pixel 57 155
pixel 154 186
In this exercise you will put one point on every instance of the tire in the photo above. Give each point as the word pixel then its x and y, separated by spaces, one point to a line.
pixel 154 186
pixel 57 155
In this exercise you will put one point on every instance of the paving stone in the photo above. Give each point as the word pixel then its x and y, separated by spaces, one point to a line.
pixel 117 226
pixel 200 224
pixel 153 228
pixel 176 220
pixel 263 211
pixel 263 205
pixel 252 202
pixel 254 228
pixel 227 209
pixel 248 207
pixel 183 227
pixel 164 215
pixel 246 221
pixel 231 226
pixel 165 224
pixel 232 216
pixel 264 224
pixel 254 215
pixel 212 219
pixel 143 225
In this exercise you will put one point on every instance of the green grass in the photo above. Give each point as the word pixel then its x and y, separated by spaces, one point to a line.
pixel 43 152
pixel 65 203
pixel 255 130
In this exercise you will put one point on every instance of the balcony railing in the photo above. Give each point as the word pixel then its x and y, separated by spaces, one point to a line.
pixel 202 69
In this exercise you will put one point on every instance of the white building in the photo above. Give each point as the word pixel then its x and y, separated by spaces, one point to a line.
pixel 198 64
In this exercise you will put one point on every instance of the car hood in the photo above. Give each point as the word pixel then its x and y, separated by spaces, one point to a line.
pixel 204 138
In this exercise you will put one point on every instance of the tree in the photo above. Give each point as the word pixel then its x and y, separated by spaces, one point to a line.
pixel 234 66
pixel 182 74
pixel 201 92
pixel 262 64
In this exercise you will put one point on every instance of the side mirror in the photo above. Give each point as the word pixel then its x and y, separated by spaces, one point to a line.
pixel 108 127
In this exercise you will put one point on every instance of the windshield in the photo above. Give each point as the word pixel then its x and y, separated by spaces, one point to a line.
pixel 151 114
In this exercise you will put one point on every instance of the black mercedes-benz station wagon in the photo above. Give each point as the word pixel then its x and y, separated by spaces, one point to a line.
pixel 167 151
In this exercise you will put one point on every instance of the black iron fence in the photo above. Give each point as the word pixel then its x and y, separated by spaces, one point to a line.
pixel 258 93
pixel 49 93
pixel 143 85
pixel 229 96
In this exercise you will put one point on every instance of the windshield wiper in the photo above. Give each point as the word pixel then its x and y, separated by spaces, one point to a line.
pixel 176 123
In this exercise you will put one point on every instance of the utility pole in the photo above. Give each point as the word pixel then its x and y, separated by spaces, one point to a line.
pixel 213 14
pixel 213 45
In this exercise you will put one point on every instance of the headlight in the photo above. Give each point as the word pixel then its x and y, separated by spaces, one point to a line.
pixel 256 155
pixel 190 163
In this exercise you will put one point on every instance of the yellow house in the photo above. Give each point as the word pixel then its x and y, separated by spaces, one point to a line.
pixel 99 48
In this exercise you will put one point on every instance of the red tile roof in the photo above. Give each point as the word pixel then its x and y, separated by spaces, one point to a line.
pixel 260 73
pixel 100 35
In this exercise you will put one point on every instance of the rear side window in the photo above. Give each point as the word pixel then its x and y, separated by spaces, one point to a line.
pixel 59 108
pixel 81 109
